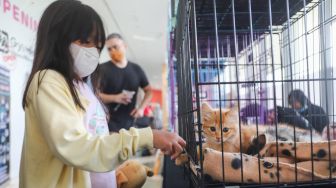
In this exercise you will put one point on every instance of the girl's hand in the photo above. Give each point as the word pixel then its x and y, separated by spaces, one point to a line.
pixel 169 143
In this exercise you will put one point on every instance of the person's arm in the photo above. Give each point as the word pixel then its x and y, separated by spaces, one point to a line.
pixel 147 98
pixel 144 84
pixel 319 118
pixel 106 98
pixel 120 98
pixel 291 117
pixel 138 112
pixel 101 83
pixel 61 123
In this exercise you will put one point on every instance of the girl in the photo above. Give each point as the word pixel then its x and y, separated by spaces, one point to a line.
pixel 58 151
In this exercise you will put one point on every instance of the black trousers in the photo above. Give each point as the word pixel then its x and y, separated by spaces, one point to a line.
pixel 123 123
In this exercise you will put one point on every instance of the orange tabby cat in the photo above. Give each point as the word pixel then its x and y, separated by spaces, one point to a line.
pixel 230 133
pixel 244 138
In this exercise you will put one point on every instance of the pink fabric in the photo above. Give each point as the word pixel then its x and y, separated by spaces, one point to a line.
pixel 95 122
pixel 103 180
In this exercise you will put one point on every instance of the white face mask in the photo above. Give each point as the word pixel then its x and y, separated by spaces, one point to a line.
pixel 85 59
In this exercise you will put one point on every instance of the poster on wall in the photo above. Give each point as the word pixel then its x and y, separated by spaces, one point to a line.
pixel 19 21
pixel 4 124
pixel 16 47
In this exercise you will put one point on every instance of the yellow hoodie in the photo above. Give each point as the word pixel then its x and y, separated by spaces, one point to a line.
pixel 57 150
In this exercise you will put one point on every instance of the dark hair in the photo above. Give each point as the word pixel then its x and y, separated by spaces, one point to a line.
pixel 114 36
pixel 298 95
pixel 62 23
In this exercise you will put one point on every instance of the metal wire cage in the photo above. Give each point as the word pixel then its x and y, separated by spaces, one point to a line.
pixel 252 54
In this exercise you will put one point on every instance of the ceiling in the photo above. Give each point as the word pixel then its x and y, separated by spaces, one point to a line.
pixel 259 14
pixel 143 24
pixel 260 18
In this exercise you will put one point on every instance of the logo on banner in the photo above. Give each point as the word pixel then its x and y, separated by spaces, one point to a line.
pixel 11 48
pixel 21 50
pixel 4 42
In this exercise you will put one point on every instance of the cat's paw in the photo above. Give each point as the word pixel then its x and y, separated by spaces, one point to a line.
pixel 181 159
pixel 207 150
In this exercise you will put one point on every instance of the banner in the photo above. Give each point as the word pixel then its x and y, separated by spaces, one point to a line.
pixel 18 26
pixel 17 34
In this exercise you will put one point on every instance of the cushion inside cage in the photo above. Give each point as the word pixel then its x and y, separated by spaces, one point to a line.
pixel 242 168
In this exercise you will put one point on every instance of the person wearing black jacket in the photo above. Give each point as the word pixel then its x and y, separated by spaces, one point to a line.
pixel 303 113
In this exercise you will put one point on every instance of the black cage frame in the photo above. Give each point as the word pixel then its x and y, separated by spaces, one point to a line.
pixel 210 37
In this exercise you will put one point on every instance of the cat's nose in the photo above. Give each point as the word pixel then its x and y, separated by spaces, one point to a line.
pixel 218 139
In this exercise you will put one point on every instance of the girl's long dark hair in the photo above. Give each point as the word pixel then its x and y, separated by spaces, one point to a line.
pixel 62 23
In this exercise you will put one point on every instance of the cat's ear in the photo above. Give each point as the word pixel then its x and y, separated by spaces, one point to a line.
pixel 206 107
pixel 207 112
pixel 232 113
pixel 235 108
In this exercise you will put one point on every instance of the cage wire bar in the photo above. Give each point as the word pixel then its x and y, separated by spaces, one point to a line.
pixel 250 54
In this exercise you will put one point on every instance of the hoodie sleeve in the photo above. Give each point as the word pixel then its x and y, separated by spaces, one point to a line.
pixel 319 118
pixel 292 117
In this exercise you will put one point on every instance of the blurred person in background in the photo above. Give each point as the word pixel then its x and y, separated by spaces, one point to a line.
pixel 302 113
pixel 120 81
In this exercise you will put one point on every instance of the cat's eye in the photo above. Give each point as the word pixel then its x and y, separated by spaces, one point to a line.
pixel 213 129
pixel 225 129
